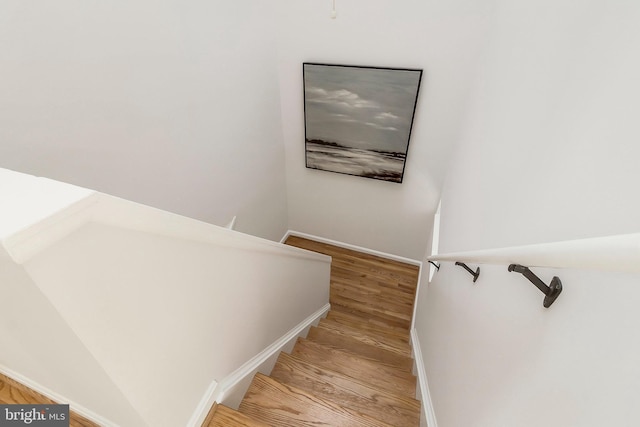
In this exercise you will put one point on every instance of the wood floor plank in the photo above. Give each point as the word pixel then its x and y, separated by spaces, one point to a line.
pixel 353 256
pixel 380 272
pixel 377 374
pixel 364 339
pixel 367 323
pixel 353 304
pixel 346 391
pixel 13 392
pixel 369 284
pixel 372 340
pixel 282 405
pixel 330 338
pixel 374 290
pixel 223 416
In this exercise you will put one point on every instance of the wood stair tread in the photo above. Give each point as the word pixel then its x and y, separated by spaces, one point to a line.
pixel 374 373
pixel 403 287
pixel 223 416
pixel 355 367
pixel 380 287
pixel 376 339
pixel 283 405
pixel 365 322
pixel 353 304
pixel 391 408
pixel 333 339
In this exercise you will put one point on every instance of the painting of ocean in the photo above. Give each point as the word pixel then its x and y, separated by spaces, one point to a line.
pixel 358 120
pixel 355 161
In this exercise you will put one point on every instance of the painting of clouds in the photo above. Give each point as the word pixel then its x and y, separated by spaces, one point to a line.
pixel 358 119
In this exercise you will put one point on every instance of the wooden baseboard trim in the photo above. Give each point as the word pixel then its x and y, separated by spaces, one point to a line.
pixel 58 398
pixel 427 405
pixel 217 391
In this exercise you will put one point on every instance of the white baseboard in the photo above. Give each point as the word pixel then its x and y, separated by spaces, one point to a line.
pixel 350 246
pixel 73 406
pixel 230 389
pixel 428 414
pixel 415 299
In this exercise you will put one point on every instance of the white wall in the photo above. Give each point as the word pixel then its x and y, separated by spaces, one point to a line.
pixel 112 304
pixel 442 39
pixel 167 103
pixel 550 149
pixel 162 314
pixel 38 345
pixel 549 152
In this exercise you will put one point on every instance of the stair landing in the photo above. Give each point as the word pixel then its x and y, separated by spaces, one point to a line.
pixel 377 290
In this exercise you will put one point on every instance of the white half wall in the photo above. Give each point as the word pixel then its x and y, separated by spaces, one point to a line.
pixel 548 153
pixel 445 41
pixel 37 344
pixel 142 310
pixel 170 104
pixel 171 314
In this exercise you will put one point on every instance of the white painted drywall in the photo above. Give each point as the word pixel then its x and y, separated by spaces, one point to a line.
pixel 141 310
pixel 163 314
pixel 27 200
pixel 170 104
pixel 442 39
pixel 37 344
pixel 549 153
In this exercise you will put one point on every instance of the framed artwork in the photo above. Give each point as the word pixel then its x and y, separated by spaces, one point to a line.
pixel 358 120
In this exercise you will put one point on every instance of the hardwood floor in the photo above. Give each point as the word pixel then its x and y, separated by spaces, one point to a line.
pixel 354 368
pixel 13 392
pixel 374 289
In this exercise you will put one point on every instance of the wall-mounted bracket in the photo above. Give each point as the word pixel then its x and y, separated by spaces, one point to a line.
pixel 551 292
pixel 437 266
pixel 475 274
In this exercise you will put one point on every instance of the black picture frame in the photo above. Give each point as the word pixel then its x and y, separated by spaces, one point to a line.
pixel 358 119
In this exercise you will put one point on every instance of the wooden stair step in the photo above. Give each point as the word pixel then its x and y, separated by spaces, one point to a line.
pixel 282 405
pixel 223 416
pixel 375 373
pixel 343 390
pixel 376 339
pixel 367 323
pixel 381 305
pixel 350 304
pixel 373 297
pixel 403 285
pixel 375 287
pixel 337 340
pixel 372 285
pixel 380 287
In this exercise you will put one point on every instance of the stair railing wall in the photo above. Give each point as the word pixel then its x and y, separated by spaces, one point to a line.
pixel 157 302
pixel 611 253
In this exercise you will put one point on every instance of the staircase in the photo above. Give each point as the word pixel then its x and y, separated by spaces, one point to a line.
pixel 355 367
